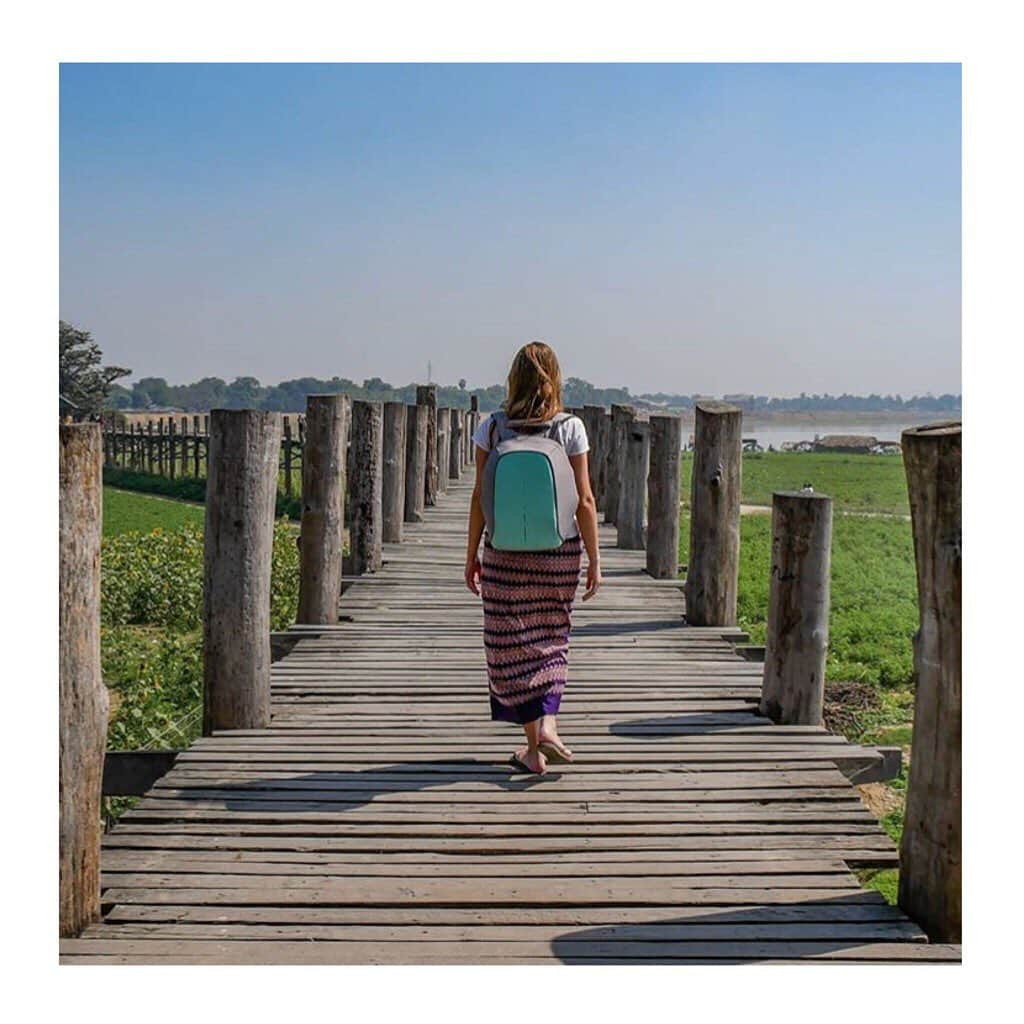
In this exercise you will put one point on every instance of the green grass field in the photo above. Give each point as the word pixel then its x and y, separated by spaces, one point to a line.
pixel 124 511
pixel 858 483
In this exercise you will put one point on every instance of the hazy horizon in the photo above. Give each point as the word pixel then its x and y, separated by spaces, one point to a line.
pixel 772 229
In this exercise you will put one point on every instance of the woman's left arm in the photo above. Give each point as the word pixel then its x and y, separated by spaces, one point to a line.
pixel 586 517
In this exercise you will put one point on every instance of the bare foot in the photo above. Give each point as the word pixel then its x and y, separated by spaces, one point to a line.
pixel 550 738
pixel 533 759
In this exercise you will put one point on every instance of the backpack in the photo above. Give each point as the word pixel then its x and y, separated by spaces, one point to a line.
pixel 528 490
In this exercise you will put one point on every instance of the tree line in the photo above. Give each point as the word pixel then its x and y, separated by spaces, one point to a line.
pixel 87 388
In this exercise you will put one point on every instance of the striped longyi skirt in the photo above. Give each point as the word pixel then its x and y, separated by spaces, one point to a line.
pixel 527 597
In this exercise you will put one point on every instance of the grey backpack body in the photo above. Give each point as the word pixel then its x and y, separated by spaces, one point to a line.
pixel 528 488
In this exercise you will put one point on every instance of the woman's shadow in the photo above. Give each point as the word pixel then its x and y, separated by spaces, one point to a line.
pixel 347 789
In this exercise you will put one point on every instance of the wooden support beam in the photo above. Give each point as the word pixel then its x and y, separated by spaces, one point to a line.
pixel 241 490
pixel 455 426
pixel 663 497
pixel 415 461
pixel 287 446
pixel 365 481
pixel 444 425
pixel 712 574
pixel 930 851
pixel 83 697
pixel 426 394
pixel 629 521
pixel 592 416
pixel 622 418
pixel 393 482
pixel 196 444
pixel 793 684
pixel 323 508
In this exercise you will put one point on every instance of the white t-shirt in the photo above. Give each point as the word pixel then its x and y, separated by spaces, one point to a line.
pixel 570 433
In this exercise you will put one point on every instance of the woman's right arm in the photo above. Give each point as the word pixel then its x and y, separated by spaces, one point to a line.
pixel 586 518
pixel 476 525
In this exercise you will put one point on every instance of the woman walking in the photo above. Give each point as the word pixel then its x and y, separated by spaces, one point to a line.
pixel 536 509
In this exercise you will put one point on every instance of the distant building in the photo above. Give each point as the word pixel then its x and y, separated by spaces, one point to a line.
pixel 852 443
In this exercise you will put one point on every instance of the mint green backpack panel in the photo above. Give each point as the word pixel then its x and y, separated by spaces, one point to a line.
pixel 528 488
pixel 525 505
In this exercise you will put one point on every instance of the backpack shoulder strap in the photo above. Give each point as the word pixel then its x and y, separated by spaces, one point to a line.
pixel 499 422
pixel 558 419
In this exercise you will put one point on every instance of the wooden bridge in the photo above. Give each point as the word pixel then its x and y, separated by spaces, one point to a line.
pixel 377 819
pixel 353 803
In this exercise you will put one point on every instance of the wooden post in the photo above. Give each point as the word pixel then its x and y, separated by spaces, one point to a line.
pixel 241 488
pixel 83 697
pixel 170 447
pixel 591 421
pixel 426 394
pixel 930 851
pixel 323 509
pixel 472 422
pixel 393 482
pixel 287 456
pixel 713 570
pixel 195 446
pixel 793 682
pixel 149 446
pixel 454 444
pixel 663 498
pixel 365 484
pixel 184 446
pixel 629 522
pixel 622 418
pixel 444 425
pixel 415 461
pixel 160 446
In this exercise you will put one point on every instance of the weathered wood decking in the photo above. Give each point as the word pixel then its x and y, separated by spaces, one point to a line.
pixel 377 820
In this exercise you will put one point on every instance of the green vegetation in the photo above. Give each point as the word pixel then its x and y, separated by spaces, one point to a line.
pixel 187 488
pixel 856 483
pixel 151 615
pixel 124 511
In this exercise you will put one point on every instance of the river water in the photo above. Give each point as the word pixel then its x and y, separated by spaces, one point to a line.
pixel 775 434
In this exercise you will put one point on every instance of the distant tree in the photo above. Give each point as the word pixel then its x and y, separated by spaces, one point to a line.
pixel 84 382
pixel 462 383
pixel 243 393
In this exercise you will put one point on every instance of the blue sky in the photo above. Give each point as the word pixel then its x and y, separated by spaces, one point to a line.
pixel 774 228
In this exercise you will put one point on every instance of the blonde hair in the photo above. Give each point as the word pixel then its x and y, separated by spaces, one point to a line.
pixel 534 384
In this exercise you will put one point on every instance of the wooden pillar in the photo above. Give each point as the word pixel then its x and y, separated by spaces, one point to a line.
pixel 415 461
pixel 663 498
pixel 170 447
pixel 930 852
pixel 323 509
pixel 426 394
pixel 195 446
pixel 629 522
pixel 149 446
pixel 591 417
pixel 160 446
pixel 365 483
pixel 713 569
pixel 454 444
pixel 184 446
pixel 83 697
pixel 287 446
pixel 444 423
pixel 793 683
pixel 241 488
pixel 393 475
pixel 622 418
